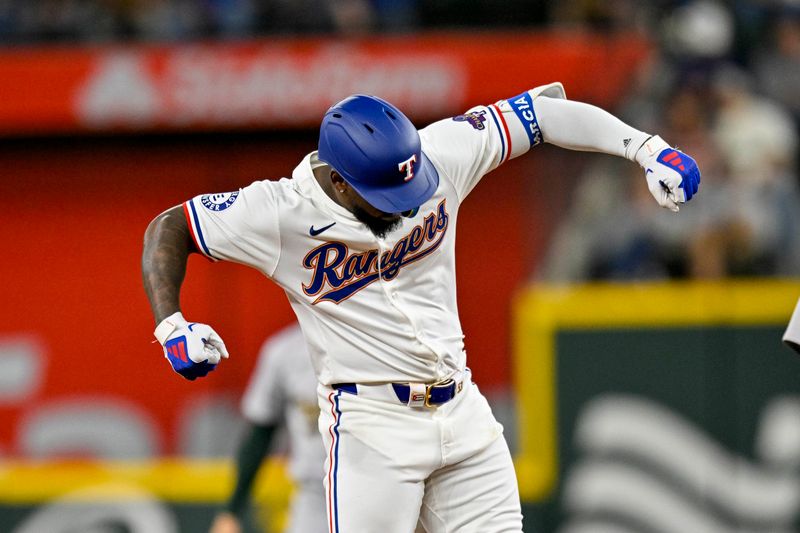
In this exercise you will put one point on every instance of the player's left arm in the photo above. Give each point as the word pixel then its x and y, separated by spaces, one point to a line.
pixel 466 147
pixel 471 145
pixel 672 176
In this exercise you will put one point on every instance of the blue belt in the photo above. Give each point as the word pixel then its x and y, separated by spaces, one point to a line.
pixel 436 394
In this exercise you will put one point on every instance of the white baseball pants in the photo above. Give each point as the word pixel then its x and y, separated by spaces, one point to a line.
pixel 389 465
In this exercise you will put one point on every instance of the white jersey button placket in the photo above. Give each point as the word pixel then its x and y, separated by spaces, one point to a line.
pixel 392 294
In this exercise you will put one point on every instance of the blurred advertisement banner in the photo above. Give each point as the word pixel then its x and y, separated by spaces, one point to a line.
pixel 666 407
pixel 157 496
pixel 289 83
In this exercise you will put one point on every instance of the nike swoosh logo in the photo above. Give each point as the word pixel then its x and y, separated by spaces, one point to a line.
pixel 314 232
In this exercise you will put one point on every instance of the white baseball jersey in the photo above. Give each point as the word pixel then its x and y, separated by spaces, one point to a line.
pixel 283 388
pixel 372 310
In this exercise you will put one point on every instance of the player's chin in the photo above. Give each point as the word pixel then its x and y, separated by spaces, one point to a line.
pixel 380 225
pixel 390 218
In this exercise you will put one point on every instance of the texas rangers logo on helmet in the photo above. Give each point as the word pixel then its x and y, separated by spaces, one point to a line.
pixel 219 201
pixel 407 166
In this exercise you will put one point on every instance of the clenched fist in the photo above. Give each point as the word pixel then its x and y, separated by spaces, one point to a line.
pixel 193 349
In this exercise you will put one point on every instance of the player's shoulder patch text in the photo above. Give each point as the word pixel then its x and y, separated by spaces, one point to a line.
pixel 475 119
pixel 219 201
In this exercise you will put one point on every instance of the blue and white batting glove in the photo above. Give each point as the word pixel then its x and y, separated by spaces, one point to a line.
pixel 191 348
pixel 672 176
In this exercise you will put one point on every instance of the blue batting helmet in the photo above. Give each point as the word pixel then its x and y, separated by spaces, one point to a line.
pixel 377 151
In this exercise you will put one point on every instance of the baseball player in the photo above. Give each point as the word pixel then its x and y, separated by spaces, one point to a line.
pixel 362 240
pixel 282 390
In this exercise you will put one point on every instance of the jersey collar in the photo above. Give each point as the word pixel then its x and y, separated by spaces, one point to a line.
pixel 307 185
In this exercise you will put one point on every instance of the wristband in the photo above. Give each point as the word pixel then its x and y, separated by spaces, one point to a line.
pixel 167 326
pixel 651 147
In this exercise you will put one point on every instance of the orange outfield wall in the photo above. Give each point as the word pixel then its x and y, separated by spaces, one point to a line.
pixel 73 219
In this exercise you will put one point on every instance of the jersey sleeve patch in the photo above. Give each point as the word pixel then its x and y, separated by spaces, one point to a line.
pixel 219 201
pixel 476 119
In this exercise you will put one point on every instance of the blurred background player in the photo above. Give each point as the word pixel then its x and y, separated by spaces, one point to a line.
pixel 282 392
pixel 791 336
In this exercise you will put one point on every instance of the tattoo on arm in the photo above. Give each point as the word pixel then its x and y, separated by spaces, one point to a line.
pixel 167 245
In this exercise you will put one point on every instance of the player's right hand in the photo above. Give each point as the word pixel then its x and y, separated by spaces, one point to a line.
pixel 193 349
pixel 226 523
pixel 672 176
